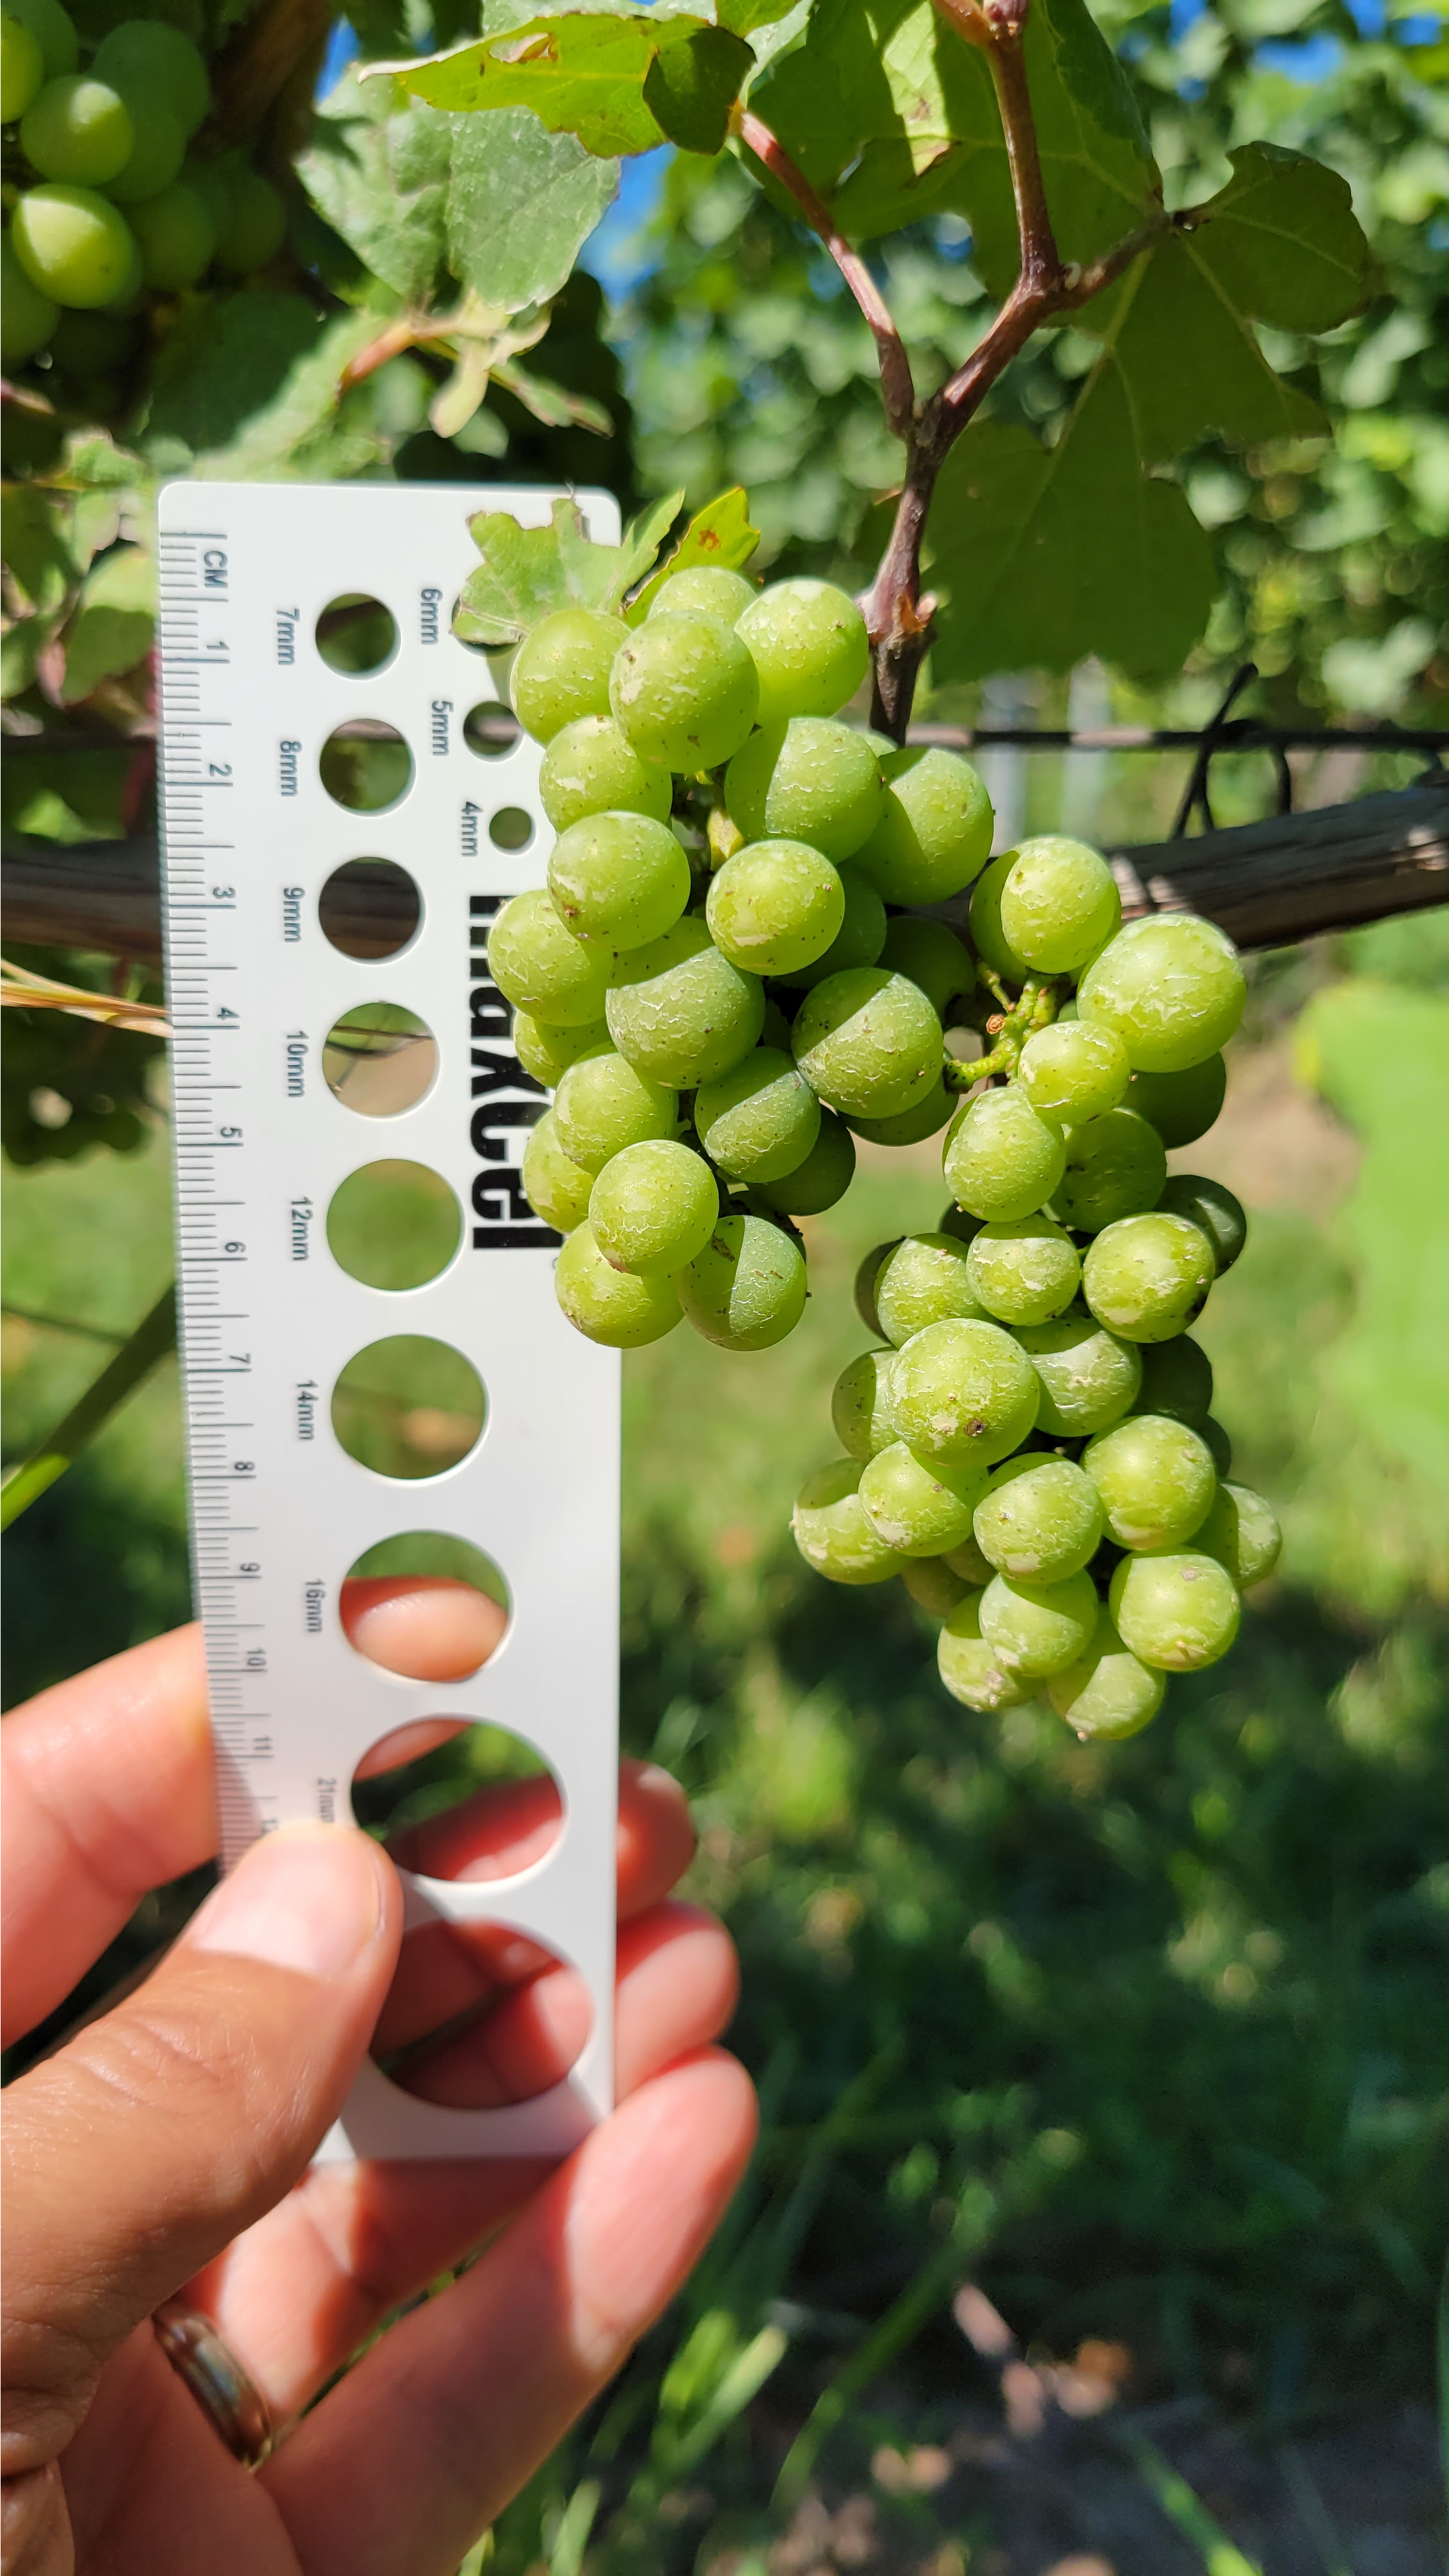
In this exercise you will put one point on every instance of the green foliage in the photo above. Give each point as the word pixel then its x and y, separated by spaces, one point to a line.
pixel 526 573
pixel 621 83
pixel 720 534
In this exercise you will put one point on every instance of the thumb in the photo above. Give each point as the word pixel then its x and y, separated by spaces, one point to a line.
pixel 161 2131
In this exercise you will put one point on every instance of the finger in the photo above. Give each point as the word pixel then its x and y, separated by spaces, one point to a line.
pixel 108 1791
pixel 414 2454
pixel 422 1625
pixel 138 2152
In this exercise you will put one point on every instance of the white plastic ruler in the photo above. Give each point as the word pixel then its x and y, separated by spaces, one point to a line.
pixel 280 1512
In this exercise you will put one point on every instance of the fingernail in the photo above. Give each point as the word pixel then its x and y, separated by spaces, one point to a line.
pixel 307 1898
pixel 652 1775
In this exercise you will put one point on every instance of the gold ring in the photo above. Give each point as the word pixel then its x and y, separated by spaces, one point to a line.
pixel 216 2380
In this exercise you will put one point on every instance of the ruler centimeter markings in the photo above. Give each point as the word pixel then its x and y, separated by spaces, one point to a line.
pixel 269 1318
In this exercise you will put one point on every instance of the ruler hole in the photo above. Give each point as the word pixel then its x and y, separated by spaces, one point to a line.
pixel 408 1406
pixel 394 1225
pixel 426 1605
pixel 369 908
pixel 365 765
pixel 480 2015
pixel 491 730
pixel 380 1059
pixel 355 634
pixel 511 828
pixel 455 1799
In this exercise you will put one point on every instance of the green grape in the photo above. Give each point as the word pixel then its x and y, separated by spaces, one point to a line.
pixel 215 184
pixel 1025 1272
pixel 1181 1106
pixel 1175 1613
pixel 27 317
pixel 858 941
pixel 809 646
pixel 934 832
pixel 987 936
pixel 257 229
pixel 539 965
pixel 22 68
pixel 653 1208
pixel 963 1389
pixel 591 767
pixel 775 906
pixel 177 238
pixel 620 880
pixel 868 1042
pixel 746 1290
pixel 970 1667
pixel 1148 1277
pixel 1040 1525
pixel 603 1104
pixel 1003 1160
pixel 562 670
pixel 1106 1695
pixel 1172 988
pixel 1177 1379
pixel 1156 1479
pixel 759 1121
pixel 704 590
pixel 78 129
pixel 1208 1204
pixel 910 1126
pixel 54 31
pixel 1058 904
pixel 1037 1629
pixel 822 1179
pixel 680 1011
pixel 969 1564
pixel 156 155
pixel 1242 1532
pixel 608 1305
pixel 920 1506
pixel 556 1187
pixel 860 1405
pixel 1116 1166
pixel 929 955
pixel 547 1052
pixel 811 780
pixel 156 62
pixel 1219 1443
pixel 71 244
pixel 684 690
pixel 865 1279
pixel 1074 1071
pixel 932 1586
pixel 1088 1378
pixel 832 1532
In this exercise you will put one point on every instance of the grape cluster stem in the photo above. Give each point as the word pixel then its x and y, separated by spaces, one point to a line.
pixel 1035 1008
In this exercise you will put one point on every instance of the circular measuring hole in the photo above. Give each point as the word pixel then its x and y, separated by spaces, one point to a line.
pixel 491 729
pixel 365 765
pixel 355 633
pixel 511 828
pixel 426 1605
pixel 380 1059
pixel 480 2015
pixel 369 908
pixel 454 1799
pixel 394 1225
pixel 408 1406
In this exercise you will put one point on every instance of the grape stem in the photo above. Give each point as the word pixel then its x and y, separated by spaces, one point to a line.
pixel 1035 1008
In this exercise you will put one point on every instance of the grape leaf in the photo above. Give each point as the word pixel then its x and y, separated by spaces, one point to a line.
pixel 583 72
pixel 719 534
pixel 527 573
pixel 1281 241
pixel 521 202
pixel 37 555
pixel 378 169
pixel 112 628
pixel 742 17
pixel 690 88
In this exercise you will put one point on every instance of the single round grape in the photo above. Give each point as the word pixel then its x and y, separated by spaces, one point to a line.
pixel 1156 1479
pixel 868 1042
pixel 963 1389
pixel 257 229
pixel 909 1126
pixel 858 941
pixel 539 966
pixel 1177 1379
pixel 215 183
pixel 1181 1106
pixel 832 1532
pixel 746 1290
pixel 177 238
pixel 822 1179
pixel 556 1187
pixel 22 68
pixel 562 670
pixel 1148 1277
pixel 1059 904
pixel 547 1052
pixel 603 1104
pixel 809 646
pixel 860 1405
pixel 54 31
pixel 680 1011
pixel 987 936
pixel 1003 1160
pixel 1242 1532
pixel 1208 1204
pixel 1025 1272
pixel 1172 988
pixel 27 317
pixel 968 1562
pixel 1088 1378
pixel 684 690
pixel 929 955
pixel 72 244
pixel 934 832
pixel 620 880
pixel 155 61
pixel 79 129
pixel 811 780
pixel 1219 1443
pixel 775 906
pixel 653 1208
pixel 920 1506
pixel 970 1667
pixel 591 767
pixel 1116 1166
pixel 1074 1071
pixel 1038 1628
pixel 932 1586
pixel 865 1279
pixel 760 1120
pixel 1106 1695
pixel 156 155
pixel 703 590
pixel 1175 1613
pixel 608 1305
pixel 1041 1525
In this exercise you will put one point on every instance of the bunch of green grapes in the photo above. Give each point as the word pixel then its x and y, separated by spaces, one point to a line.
pixel 121 207
pixel 709 983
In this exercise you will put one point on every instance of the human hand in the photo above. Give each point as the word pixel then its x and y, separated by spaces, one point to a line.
pixel 167 2144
